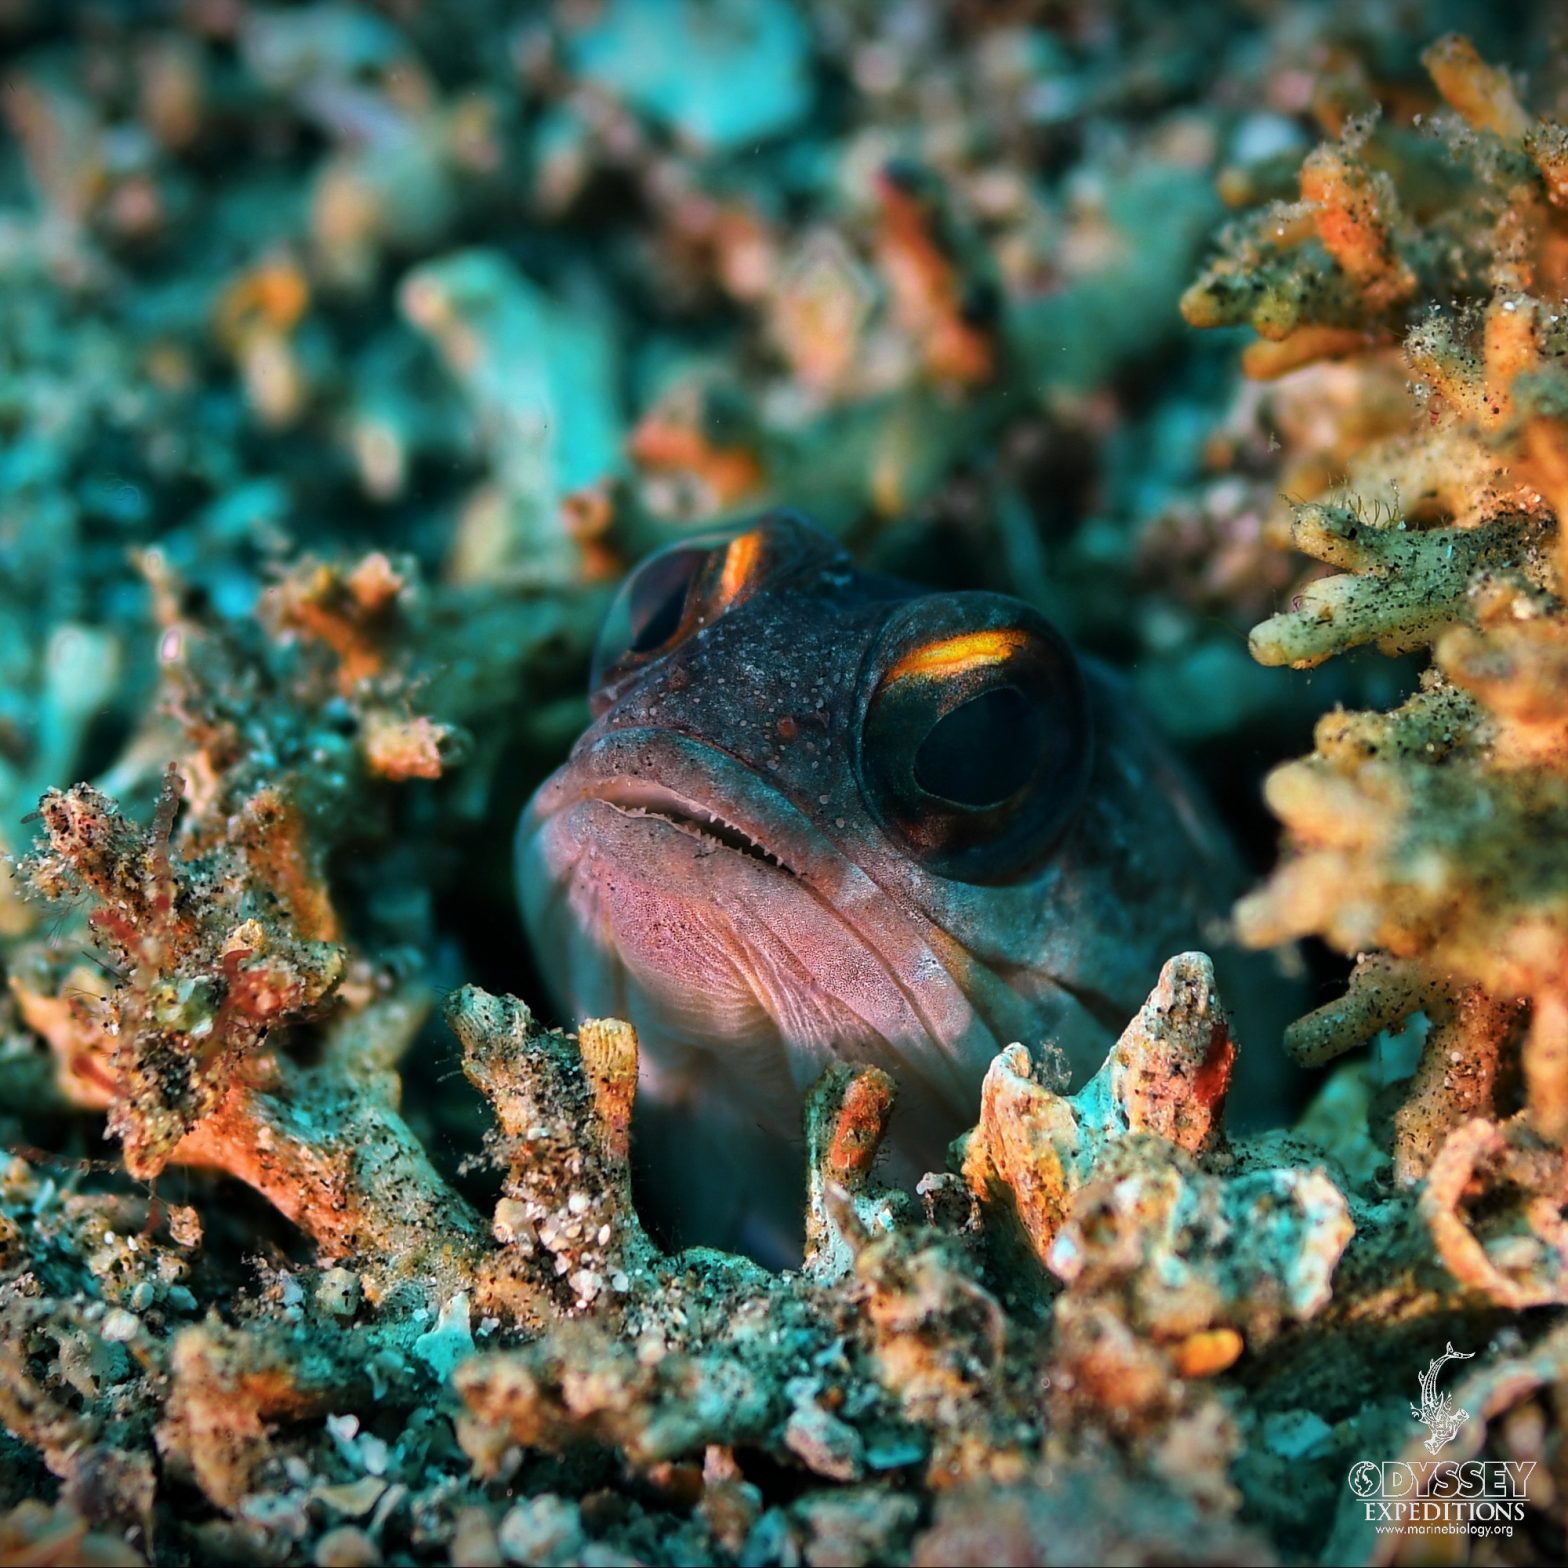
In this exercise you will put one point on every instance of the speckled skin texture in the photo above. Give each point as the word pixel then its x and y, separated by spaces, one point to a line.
pixel 745 976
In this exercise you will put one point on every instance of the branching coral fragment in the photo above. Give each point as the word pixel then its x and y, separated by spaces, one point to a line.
pixel 1166 1077
pixel 1517 1254
pixel 202 979
pixel 1424 842
pixel 569 1231
pixel 1398 588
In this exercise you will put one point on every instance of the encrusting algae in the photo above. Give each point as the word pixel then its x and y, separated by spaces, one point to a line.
pixel 310 1304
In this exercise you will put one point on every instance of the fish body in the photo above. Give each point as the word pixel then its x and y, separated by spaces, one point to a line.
pixel 821 815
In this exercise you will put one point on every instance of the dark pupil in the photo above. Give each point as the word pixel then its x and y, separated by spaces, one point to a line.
pixel 658 599
pixel 983 752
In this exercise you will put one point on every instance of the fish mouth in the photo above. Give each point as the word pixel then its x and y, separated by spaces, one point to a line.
pixel 698 819
pixel 761 891
pixel 594 855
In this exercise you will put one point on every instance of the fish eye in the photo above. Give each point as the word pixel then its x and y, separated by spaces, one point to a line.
pixel 656 603
pixel 687 585
pixel 657 606
pixel 975 742
pixel 672 594
pixel 981 753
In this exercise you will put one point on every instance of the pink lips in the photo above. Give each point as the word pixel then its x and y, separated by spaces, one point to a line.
pixel 713 904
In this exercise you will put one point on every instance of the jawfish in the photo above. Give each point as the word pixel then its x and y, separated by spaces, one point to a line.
pixel 821 815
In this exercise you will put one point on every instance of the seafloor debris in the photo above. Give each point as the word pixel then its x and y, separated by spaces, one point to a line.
pixel 348 352
pixel 1426 841
pixel 1166 1264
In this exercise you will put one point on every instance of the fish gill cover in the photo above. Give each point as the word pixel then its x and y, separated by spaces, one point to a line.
pixel 349 357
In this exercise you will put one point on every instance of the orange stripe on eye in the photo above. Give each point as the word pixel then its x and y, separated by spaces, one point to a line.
pixel 740 560
pixel 955 655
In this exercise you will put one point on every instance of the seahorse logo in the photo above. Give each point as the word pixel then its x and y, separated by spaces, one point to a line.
pixel 1436 1411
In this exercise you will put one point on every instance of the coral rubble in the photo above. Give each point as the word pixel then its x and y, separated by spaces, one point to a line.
pixel 1424 841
